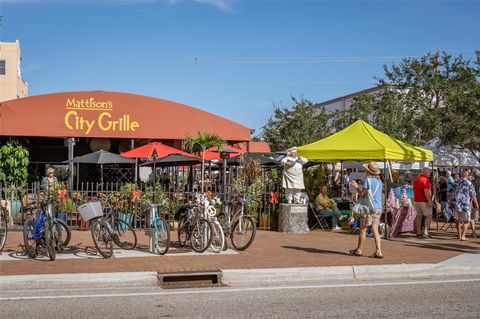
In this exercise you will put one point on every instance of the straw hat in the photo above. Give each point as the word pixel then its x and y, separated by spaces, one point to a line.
pixel 50 170
pixel 372 168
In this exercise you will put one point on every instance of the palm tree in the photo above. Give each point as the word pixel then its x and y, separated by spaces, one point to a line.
pixel 199 144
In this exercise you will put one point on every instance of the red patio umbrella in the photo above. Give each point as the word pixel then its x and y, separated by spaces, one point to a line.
pixel 155 150
pixel 146 151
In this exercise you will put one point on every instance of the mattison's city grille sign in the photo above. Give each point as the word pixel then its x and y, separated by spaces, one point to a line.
pixel 84 115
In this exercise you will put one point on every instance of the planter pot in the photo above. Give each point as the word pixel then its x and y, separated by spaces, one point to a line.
pixel 15 207
pixel 61 216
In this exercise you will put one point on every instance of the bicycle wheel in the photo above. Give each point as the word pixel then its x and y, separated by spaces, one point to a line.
pixel 201 237
pixel 162 236
pixel 101 238
pixel 218 237
pixel 243 232
pixel 182 230
pixel 64 232
pixel 125 236
pixel 3 230
pixel 50 239
pixel 31 247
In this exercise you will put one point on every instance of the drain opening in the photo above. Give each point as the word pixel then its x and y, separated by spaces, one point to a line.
pixel 190 279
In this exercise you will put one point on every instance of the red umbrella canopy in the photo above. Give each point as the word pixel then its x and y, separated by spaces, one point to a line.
pixel 146 151
pixel 212 153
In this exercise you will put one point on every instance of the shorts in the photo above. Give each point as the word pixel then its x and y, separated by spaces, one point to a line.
pixel 371 219
pixel 423 209
pixel 462 217
pixel 474 215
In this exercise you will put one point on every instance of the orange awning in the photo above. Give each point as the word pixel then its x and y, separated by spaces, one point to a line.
pixel 111 115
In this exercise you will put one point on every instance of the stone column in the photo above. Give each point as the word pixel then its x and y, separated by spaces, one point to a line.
pixel 293 218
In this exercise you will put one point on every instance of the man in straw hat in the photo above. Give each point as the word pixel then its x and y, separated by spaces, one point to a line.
pixel 371 186
pixel 292 177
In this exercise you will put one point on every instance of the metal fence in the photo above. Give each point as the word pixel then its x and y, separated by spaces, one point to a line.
pixel 16 200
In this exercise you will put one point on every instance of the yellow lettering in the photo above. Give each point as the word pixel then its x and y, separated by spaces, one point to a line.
pixel 134 125
pixel 89 125
pixel 67 119
pixel 100 123
pixel 70 103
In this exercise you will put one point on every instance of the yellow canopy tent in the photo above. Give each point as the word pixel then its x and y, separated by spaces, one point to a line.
pixel 361 142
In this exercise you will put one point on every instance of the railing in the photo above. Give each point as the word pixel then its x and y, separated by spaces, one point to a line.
pixel 17 199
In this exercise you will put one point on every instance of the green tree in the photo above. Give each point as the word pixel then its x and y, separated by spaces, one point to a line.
pixel 303 123
pixel 13 164
pixel 198 144
pixel 440 94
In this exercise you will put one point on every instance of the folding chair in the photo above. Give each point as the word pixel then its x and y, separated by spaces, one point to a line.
pixel 321 220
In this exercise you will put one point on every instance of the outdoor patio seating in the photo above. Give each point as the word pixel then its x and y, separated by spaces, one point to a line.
pixel 320 219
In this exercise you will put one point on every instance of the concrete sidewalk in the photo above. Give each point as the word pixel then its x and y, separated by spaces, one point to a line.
pixel 463 265
pixel 269 250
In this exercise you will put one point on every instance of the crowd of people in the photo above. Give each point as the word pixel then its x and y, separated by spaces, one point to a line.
pixel 456 197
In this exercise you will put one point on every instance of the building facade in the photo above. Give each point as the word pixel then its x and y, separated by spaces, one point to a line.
pixel 12 86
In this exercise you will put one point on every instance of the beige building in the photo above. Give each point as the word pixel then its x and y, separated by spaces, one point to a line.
pixel 11 84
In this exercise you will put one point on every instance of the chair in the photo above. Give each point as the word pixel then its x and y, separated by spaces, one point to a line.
pixel 321 220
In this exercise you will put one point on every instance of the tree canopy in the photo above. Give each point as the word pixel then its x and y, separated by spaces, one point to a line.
pixel 419 99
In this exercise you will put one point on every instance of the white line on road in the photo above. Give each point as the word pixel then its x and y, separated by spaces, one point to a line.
pixel 224 290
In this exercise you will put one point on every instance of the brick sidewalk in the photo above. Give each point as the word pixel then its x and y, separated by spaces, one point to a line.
pixel 269 250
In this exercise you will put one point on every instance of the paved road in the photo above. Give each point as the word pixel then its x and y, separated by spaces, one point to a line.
pixel 448 298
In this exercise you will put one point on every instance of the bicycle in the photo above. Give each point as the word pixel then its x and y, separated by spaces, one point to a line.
pixel 43 230
pixel 3 227
pixel 107 229
pixel 193 227
pixel 218 236
pixel 241 228
pixel 159 231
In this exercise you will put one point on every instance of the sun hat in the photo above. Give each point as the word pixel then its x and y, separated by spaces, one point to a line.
pixel 50 170
pixel 372 168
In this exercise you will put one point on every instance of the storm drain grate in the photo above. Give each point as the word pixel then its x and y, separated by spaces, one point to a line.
pixel 211 278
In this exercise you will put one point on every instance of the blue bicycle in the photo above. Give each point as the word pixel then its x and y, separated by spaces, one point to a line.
pixel 45 231
pixel 159 231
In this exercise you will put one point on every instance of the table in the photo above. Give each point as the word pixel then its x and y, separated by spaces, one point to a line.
pixel 402 220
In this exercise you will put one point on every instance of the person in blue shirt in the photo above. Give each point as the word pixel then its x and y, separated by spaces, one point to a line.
pixel 371 186
pixel 450 180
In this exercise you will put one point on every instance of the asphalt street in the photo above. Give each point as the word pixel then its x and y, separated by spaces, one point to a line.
pixel 445 298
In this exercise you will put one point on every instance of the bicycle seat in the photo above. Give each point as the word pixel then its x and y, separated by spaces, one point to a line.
pixel 31 206
pixel 228 202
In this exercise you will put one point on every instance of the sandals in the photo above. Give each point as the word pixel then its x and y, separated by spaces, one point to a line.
pixel 375 255
pixel 355 252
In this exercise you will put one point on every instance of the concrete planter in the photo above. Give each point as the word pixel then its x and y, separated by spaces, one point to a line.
pixel 293 218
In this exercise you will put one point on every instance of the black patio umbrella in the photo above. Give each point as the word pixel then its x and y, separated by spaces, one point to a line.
pixel 173 160
pixel 264 160
pixel 100 158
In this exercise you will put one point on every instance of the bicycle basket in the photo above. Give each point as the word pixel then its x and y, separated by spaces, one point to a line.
pixel 90 210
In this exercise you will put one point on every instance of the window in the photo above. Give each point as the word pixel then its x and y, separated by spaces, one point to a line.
pixel 2 67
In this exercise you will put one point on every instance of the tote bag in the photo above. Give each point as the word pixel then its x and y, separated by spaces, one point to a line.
pixel 366 204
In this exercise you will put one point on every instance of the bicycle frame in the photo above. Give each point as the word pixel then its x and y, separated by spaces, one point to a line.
pixel 39 222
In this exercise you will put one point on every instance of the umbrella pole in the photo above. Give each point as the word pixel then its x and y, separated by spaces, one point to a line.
pixel 78 173
pixel 101 176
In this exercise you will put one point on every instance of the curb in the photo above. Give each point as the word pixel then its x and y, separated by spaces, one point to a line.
pixel 240 276
pixel 82 280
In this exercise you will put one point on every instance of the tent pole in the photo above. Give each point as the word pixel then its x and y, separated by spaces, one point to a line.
pixel 341 177
pixel 385 198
